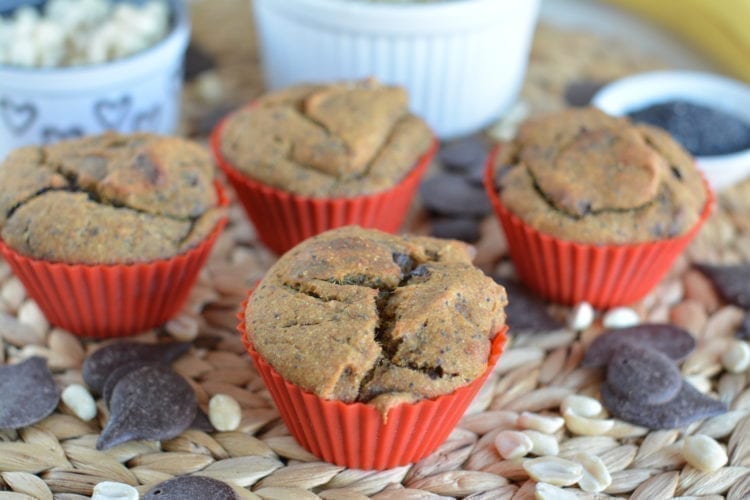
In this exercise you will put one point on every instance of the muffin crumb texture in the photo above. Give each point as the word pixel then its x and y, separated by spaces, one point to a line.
pixel 584 176
pixel 107 199
pixel 363 316
pixel 339 140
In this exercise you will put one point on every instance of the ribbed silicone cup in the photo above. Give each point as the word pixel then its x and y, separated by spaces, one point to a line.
pixel 603 275
pixel 283 219
pixel 354 435
pixel 103 301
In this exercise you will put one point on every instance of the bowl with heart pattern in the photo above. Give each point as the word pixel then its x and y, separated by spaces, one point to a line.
pixel 137 92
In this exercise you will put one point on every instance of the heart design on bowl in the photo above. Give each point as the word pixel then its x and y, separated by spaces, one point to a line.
pixel 112 113
pixel 18 117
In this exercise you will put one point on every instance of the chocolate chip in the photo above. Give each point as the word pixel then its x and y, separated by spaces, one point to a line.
pixel 27 393
pixel 743 331
pixel 419 271
pixel 643 374
pixel 151 402
pixel 580 93
pixel 116 375
pixel 201 421
pixel 526 312
pixel 687 406
pixel 668 339
pixel 197 61
pixel 731 282
pixel 451 194
pixel 183 487
pixel 405 262
pixel 457 228
pixel 211 118
pixel 100 365
pixel 463 154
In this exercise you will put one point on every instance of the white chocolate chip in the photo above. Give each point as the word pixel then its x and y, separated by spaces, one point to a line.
pixel 224 412
pixel 704 453
pixel 79 400
pixel 581 317
pixel 110 490
pixel 736 359
pixel 543 444
pixel 541 423
pixel 554 470
pixel 13 293
pixel 583 414
pixel 513 444
pixel 596 477
pixel 544 491
pixel 583 406
pixel 621 317
pixel 584 426
pixel 30 314
pixel 75 32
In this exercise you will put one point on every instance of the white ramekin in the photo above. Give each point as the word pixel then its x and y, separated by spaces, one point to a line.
pixel 639 91
pixel 463 61
pixel 137 93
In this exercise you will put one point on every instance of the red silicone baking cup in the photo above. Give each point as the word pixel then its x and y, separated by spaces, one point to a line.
pixel 104 301
pixel 283 219
pixel 568 273
pixel 353 434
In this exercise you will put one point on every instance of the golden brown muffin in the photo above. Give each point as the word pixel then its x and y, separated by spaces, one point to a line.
pixel 107 199
pixel 583 176
pixel 339 140
pixel 361 315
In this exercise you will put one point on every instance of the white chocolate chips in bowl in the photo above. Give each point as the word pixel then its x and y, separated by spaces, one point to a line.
pixel 80 32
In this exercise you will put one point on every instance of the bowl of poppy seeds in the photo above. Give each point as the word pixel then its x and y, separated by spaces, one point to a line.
pixel 707 113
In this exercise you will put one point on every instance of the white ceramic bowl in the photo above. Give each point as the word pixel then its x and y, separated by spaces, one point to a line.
pixel 463 61
pixel 137 93
pixel 639 91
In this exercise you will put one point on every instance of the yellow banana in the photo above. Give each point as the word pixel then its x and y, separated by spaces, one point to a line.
pixel 719 28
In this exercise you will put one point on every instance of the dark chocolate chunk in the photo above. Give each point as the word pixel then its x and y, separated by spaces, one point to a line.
pixel 463 154
pixel 28 393
pixel 743 331
pixel 208 120
pixel 201 422
pixel 151 402
pixel 580 93
pixel 457 228
pixel 184 487
pixel 197 61
pixel 668 339
pixel 642 374
pixel 731 282
pixel 702 130
pixel 103 362
pixel 404 261
pixel 116 375
pixel 687 406
pixel 526 312
pixel 450 194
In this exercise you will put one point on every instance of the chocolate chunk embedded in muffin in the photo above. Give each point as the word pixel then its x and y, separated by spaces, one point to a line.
pixel 361 315
pixel 338 140
pixel 108 199
pixel 584 176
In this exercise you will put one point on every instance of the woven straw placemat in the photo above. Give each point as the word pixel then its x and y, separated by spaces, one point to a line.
pixel 57 457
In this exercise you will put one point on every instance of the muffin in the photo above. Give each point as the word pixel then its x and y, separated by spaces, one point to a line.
pixel 314 157
pixel 97 226
pixel 594 207
pixel 370 329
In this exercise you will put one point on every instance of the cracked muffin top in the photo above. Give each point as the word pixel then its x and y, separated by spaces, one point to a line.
pixel 108 199
pixel 360 315
pixel 339 140
pixel 584 176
